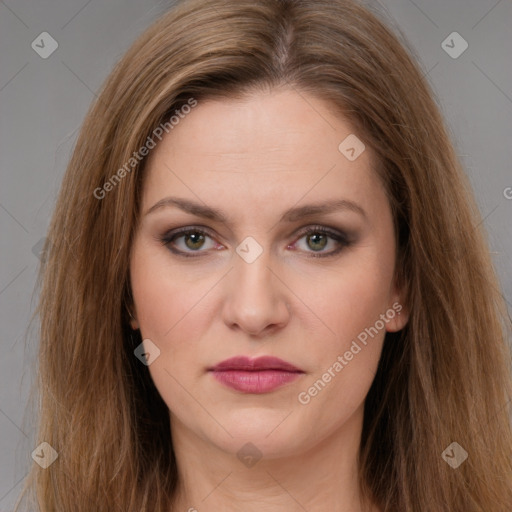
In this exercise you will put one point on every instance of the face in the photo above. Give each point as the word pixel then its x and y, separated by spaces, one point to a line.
pixel 261 235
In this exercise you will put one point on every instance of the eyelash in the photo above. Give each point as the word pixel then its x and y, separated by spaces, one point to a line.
pixel 338 237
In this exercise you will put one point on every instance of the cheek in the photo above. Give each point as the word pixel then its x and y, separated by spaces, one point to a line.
pixel 351 304
pixel 168 311
pixel 349 300
pixel 163 300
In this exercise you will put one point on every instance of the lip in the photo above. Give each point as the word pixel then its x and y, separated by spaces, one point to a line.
pixel 260 375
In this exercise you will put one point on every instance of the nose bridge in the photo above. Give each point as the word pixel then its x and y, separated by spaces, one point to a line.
pixel 254 276
pixel 256 298
pixel 253 282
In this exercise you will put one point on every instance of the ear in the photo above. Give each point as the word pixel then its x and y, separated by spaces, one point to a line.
pixel 397 312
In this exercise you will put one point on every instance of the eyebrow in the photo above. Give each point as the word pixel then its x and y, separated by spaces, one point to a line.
pixel 291 215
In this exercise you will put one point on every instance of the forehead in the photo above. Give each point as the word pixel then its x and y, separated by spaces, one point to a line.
pixel 265 148
pixel 275 121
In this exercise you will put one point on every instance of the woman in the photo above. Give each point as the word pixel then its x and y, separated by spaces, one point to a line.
pixel 266 287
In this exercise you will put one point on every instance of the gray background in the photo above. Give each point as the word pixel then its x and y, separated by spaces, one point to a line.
pixel 43 102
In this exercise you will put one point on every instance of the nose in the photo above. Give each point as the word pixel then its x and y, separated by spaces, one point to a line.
pixel 256 298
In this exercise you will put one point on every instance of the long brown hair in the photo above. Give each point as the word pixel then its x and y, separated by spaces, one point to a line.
pixel 444 378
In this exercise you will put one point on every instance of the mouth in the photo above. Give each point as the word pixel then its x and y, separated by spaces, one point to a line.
pixel 260 375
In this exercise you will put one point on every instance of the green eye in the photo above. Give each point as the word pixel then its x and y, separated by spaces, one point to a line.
pixel 317 241
pixel 194 240
pixel 188 241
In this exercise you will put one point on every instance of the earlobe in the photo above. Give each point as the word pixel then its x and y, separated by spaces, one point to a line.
pixel 398 316
pixel 398 311
pixel 134 324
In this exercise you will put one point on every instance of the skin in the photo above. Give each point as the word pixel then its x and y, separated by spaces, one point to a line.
pixel 254 159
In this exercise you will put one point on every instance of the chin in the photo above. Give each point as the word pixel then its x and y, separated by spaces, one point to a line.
pixel 275 434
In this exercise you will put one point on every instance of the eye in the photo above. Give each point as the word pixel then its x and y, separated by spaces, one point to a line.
pixel 189 240
pixel 317 239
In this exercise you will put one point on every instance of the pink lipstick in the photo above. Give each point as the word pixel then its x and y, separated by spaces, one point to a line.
pixel 260 375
